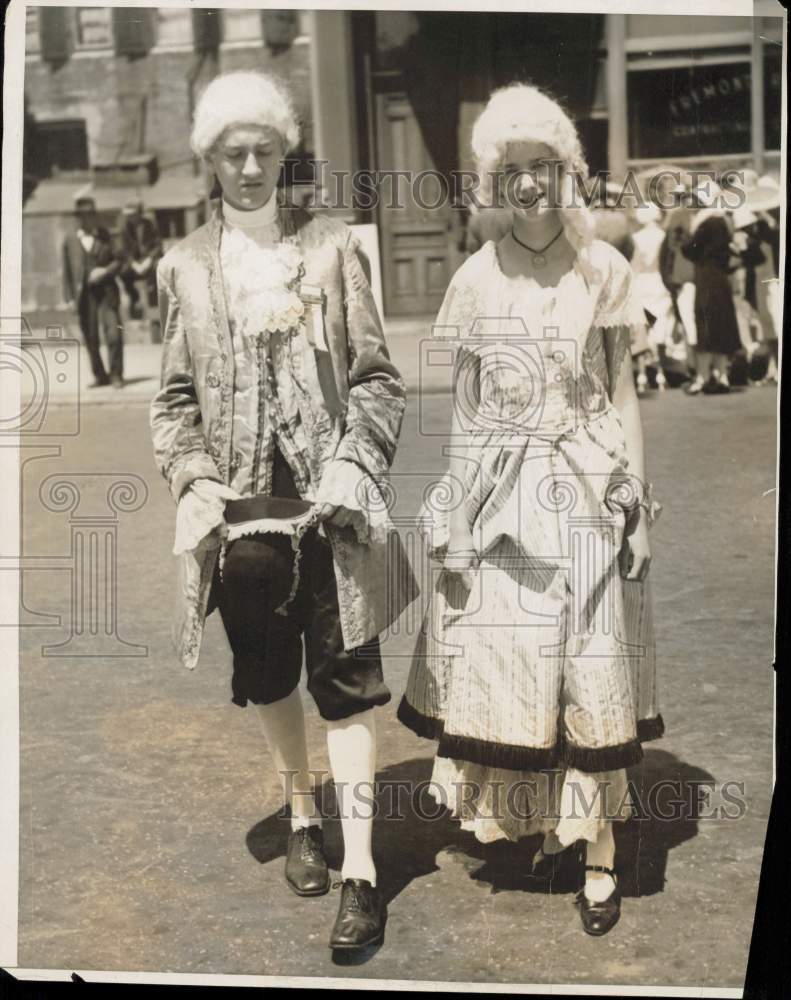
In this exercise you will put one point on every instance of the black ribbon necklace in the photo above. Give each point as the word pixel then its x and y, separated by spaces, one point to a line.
pixel 539 256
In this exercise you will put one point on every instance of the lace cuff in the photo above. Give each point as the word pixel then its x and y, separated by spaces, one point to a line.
pixel 199 511
pixel 627 313
pixel 619 304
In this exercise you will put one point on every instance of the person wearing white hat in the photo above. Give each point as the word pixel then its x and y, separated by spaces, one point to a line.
pixel 757 281
pixel 278 395
pixel 651 291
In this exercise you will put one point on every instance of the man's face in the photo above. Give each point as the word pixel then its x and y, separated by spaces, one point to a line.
pixel 87 216
pixel 246 160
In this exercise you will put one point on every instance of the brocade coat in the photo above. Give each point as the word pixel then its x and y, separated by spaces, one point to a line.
pixel 351 401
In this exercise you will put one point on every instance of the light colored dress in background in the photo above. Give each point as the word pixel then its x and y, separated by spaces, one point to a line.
pixel 539 683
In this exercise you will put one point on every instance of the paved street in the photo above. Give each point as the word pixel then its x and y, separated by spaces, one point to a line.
pixel 149 832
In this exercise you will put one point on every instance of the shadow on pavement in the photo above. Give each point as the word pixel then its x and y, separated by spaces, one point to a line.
pixel 407 840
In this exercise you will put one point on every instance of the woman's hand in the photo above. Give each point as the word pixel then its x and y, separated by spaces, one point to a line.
pixel 97 275
pixel 461 558
pixel 635 555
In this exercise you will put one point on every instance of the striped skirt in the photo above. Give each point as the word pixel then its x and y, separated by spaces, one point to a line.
pixel 539 683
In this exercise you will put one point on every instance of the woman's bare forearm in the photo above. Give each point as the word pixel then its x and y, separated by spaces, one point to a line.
pixel 465 400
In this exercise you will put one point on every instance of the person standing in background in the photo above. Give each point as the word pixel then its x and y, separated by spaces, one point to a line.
pixel 678 276
pixel 650 289
pixel 90 267
pixel 142 249
pixel 760 255
pixel 710 249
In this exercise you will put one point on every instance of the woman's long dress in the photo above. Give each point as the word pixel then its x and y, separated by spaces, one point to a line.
pixel 539 683
pixel 715 315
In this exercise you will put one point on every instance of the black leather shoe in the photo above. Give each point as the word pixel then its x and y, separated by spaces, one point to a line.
pixel 99 383
pixel 557 870
pixel 598 918
pixel 306 868
pixel 361 921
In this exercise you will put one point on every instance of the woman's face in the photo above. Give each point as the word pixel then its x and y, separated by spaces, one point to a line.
pixel 533 174
pixel 247 160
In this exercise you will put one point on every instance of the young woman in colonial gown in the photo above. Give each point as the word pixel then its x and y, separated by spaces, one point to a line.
pixel 534 668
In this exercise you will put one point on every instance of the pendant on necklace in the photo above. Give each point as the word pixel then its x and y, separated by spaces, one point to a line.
pixel 539 260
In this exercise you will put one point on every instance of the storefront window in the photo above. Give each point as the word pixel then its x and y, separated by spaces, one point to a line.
pixel 773 82
pixel 701 110
pixel 93 28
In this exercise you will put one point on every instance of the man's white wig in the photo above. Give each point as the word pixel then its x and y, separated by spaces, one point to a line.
pixel 243 98
pixel 521 113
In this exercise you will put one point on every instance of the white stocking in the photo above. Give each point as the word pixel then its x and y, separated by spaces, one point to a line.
pixel 352 750
pixel 283 723
pixel 598 885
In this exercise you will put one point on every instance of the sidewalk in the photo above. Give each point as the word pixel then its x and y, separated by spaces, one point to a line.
pixel 406 339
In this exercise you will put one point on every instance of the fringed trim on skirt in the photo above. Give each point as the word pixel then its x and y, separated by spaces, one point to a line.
pixel 422 725
pixel 650 729
pixel 520 758
pixel 509 756
pixel 595 759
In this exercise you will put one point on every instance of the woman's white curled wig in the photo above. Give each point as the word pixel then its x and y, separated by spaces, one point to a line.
pixel 521 113
pixel 243 98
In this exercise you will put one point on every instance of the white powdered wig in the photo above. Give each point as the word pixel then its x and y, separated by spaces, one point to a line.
pixel 521 113
pixel 243 98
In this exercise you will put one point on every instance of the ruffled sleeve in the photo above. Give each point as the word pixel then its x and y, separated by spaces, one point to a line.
pixel 618 303
pixel 200 510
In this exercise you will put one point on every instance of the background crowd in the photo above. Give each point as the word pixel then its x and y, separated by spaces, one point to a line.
pixel 95 258
pixel 707 276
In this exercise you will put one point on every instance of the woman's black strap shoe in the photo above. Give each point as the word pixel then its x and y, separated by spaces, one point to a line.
pixel 361 919
pixel 599 918
pixel 306 868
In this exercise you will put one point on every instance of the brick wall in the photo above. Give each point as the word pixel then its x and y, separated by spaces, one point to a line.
pixel 135 105
pixel 131 106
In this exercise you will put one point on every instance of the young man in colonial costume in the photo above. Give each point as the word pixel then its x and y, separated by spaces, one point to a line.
pixel 279 400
